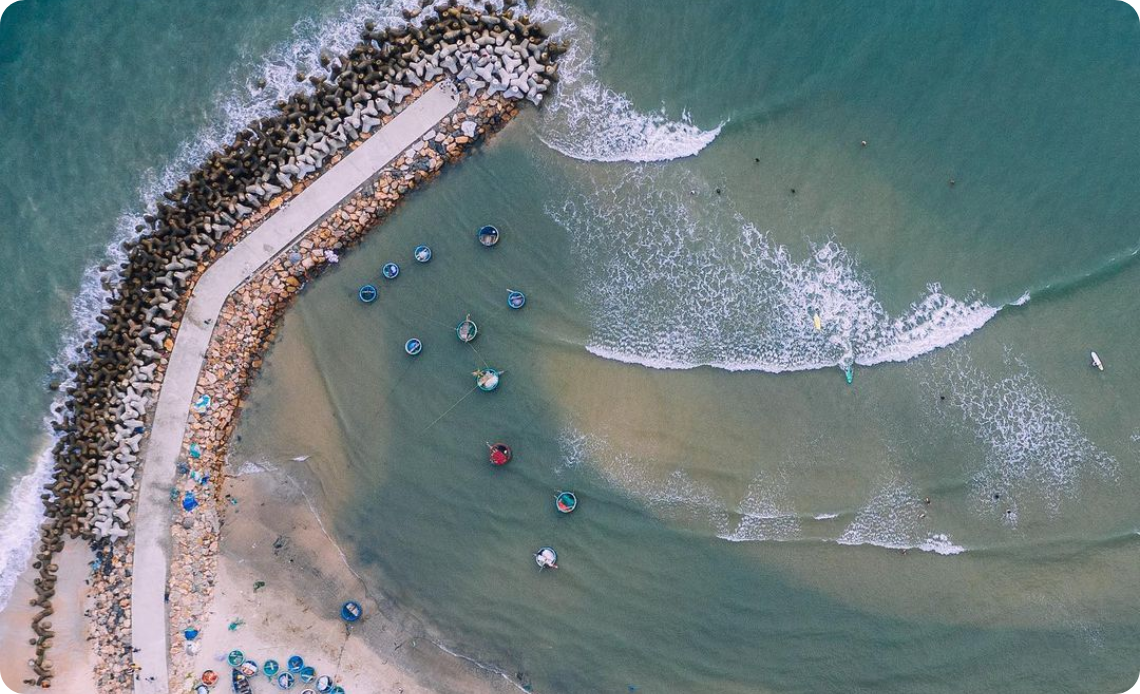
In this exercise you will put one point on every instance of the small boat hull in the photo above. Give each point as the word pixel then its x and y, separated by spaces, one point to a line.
pixel 500 454
pixel 467 331
pixel 413 346
pixel 367 293
pixel 487 379
pixel 565 502
pixel 488 236
pixel 351 611
pixel 546 558
pixel 391 271
pixel 241 683
pixel 422 254
pixel 516 300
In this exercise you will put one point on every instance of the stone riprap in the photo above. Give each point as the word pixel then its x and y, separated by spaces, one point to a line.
pixel 102 428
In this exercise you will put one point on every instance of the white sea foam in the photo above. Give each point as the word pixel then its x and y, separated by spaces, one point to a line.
pixel 764 513
pixel 20 522
pixel 678 279
pixel 1035 452
pixel 587 120
pixel 825 516
pixel 893 518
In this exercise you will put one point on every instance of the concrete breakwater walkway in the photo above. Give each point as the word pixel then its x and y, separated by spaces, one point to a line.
pixel 274 235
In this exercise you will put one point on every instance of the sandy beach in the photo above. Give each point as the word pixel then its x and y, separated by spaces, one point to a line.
pixel 74 659
pixel 305 580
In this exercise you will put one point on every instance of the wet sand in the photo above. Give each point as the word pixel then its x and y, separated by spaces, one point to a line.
pixel 74 659
pixel 306 579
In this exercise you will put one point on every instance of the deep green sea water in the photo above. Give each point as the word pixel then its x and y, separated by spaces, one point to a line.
pixel 694 194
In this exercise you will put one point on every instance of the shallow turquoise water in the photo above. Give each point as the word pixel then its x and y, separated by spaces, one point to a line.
pixel 741 528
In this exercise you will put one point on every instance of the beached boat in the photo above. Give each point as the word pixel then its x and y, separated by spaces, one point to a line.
pixel 235 658
pixel 350 611
pixel 565 502
pixel 488 236
pixel 367 293
pixel 249 668
pixel 500 453
pixel 270 668
pixel 486 379
pixel 422 254
pixel 241 683
pixel 515 299
pixel 295 664
pixel 307 674
pixel 391 271
pixel 324 684
pixel 286 680
pixel 467 331
pixel 413 346
pixel 546 558
pixel 209 678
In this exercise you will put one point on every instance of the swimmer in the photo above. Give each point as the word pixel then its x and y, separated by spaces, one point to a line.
pixel 926 501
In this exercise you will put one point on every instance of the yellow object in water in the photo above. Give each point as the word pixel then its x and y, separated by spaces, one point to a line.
pixel 818 324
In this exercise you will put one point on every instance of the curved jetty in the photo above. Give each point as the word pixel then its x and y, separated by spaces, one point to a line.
pixel 213 267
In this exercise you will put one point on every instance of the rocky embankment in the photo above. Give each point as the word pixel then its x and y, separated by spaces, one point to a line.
pixel 496 59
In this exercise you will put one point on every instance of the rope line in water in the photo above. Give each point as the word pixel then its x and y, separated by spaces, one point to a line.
pixel 473 389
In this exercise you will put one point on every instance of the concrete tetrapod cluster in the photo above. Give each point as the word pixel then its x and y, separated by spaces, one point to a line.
pixel 102 422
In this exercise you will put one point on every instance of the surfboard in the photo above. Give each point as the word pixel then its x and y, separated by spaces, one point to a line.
pixel 818 323
pixel 849 372
pixel 1096 361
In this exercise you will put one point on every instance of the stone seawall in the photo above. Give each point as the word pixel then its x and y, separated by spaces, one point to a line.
pixel 246 327
pixel 496 59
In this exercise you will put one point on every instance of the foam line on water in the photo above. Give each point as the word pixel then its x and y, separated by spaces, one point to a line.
pixel 893 518
pixel 890 519
pixel 1036 455
pixel 590 121
pixel 678 279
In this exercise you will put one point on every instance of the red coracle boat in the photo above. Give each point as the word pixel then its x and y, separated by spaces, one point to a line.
pixel 500 453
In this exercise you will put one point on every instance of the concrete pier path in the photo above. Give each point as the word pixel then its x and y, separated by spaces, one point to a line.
pixel 227 273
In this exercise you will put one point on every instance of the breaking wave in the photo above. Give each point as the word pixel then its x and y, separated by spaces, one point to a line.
pixel 677 282
pixel 589 121
pixel 1035 453
pixel 893 518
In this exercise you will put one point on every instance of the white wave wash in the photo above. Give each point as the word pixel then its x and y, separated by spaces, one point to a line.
pixel 764 515
pixel 678 280
pixel 23 510
pixel 1035 452
pixel 894 518
pixel 589 121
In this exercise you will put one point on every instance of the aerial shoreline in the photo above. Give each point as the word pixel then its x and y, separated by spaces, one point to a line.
pixel 97 490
